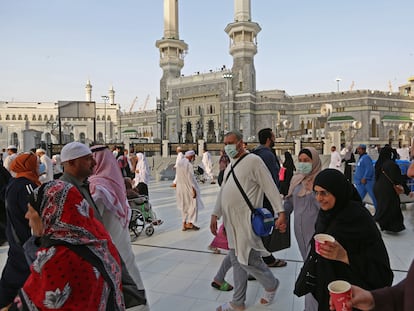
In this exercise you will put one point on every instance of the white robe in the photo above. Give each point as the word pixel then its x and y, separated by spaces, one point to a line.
pixel 180 156
pixel 207 165
pixel 119 233
pixel 142 172
pixel 184 190
pixel 255 179
pixel 336 161
pixel 48 174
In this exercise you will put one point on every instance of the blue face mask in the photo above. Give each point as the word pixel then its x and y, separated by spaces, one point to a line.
pixel 304 168
pixel 231 150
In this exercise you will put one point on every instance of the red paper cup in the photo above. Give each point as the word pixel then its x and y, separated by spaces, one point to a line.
pixel 320 238
pixel 340 292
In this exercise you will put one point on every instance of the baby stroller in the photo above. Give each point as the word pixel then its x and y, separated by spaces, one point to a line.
pixel 199 174
pixel 142 216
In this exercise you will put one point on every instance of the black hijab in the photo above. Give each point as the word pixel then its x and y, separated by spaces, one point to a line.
pixel 289 163
pixel 344 192
pixel 350 223
pixel 386 154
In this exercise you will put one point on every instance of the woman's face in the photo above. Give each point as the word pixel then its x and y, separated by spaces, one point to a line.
pixel 35 221
pixel 325 198
pixel 304 158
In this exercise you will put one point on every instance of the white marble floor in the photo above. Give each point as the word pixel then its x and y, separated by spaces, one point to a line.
pixel 177 268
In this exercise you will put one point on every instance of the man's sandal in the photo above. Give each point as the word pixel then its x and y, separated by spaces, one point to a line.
pixel 224 287
pixel 278 263
pixel 227 307
pixel 268 297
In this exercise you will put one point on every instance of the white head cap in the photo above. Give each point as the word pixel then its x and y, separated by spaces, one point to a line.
pixel 189 153
pixel 74 150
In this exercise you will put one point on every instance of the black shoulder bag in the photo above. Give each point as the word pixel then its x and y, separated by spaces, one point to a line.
pixel 306 281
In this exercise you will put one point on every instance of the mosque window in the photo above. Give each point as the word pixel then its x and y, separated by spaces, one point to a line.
pixel 0 116
pixel 19 117
pixel 374 128
pixel 82 138
pixel 39 118
pixel 33 117
pixel 26 117
pixel 100 138
pixel 45 117
pixel 51 117
pixel 98 118
pixel 14 117
pixel 7 117
pixel 108 118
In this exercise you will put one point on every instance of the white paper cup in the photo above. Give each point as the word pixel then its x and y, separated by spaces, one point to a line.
pixel 340 292
pixel 320 238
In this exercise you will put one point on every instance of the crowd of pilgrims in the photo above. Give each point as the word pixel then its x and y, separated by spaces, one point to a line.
pixel 66 208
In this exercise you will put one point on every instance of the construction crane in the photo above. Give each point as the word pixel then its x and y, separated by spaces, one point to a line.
pixel 145 103
pixel 133 104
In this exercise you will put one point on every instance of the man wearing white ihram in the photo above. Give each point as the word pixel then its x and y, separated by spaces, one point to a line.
pixel 188 193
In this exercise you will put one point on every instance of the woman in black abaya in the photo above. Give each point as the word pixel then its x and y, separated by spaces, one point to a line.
pixel 387 174
pixel 358 254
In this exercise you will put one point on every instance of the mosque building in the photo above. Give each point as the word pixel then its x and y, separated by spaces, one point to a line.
pixel 206 105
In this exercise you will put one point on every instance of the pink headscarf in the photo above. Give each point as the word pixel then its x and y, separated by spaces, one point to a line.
pixel 306 180
pixel 108 175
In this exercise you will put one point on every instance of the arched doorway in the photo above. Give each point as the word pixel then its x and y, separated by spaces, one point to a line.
pixel 211 135
pixel 188 133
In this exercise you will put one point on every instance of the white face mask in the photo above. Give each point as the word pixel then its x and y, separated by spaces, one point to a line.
pixel 231 150
pixel 304 167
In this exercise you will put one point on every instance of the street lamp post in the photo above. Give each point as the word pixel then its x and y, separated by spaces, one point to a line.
pixel 105 99
pixel 228 76
pixel 338 80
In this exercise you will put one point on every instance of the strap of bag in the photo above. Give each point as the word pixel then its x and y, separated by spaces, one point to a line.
pixel 237 162
pixel 242 191
pixel 388 177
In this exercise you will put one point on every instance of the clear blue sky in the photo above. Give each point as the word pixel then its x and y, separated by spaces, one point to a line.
pixel 50 48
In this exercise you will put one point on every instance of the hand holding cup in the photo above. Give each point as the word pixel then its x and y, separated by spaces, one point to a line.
pixel 320 238
pixel 340 292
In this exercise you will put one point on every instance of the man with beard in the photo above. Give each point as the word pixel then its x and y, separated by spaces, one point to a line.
pixel 266 152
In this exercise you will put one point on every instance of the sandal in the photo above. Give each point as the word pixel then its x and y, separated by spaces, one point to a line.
pixel 224 287
pixel 215 250
pixel 190 226
pixel 278 263
pixel 268 297
pixel 227 307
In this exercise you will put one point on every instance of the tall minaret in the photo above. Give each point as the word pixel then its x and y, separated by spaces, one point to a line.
pixel 88 91
pixel 172 49
pixel 243 46
pixel 111 95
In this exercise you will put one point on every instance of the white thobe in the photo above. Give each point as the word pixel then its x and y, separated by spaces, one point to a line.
pixel 336 161
pixel 255 179
pixel 186 181
pixel 180 156
pixel 207 165
pixel 48 173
